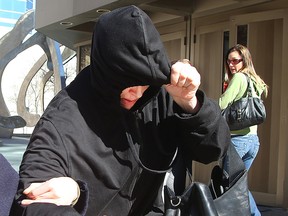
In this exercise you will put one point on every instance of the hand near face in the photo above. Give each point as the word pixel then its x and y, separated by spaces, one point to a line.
pixel 60 191
pixel 185 81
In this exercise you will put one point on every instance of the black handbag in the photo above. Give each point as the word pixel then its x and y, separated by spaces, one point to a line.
pixel 225 195
pixel 245 112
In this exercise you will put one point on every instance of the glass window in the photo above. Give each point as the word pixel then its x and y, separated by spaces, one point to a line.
pixel 242 31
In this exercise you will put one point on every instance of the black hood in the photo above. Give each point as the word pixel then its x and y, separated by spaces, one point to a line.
pixel 127 51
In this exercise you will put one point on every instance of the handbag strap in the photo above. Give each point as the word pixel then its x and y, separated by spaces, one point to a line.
pixel 176 178
pixel 232 166
pixel 249 87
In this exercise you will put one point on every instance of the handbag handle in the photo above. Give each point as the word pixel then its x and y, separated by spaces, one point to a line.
pixel 249 87
pixel 248 91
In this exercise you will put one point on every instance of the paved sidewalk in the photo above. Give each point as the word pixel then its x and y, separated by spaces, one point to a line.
pixel 13 150
pixel 272 211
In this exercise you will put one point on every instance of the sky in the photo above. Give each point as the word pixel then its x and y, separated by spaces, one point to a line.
pixel 10 11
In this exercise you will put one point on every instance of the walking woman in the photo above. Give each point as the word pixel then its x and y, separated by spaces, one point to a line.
pixel 239 65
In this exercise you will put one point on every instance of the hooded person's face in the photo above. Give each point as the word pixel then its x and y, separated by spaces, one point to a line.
pixel 127 51
pixel 130 96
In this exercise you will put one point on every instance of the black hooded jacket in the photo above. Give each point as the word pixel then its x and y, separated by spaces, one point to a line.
pixel 119 157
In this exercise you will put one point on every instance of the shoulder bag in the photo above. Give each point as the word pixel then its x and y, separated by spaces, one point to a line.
pixel 225 195
pixel 245 112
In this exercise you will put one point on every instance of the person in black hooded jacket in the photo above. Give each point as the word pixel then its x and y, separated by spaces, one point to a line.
pixel 105 142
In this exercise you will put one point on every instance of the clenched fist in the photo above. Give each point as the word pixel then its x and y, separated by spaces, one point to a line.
pixel 185 81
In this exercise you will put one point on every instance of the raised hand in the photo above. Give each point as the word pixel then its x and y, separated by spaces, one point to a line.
pixel 185 81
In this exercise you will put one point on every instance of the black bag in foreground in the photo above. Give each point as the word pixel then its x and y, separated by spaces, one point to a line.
pixel 245 112
pixel 226 195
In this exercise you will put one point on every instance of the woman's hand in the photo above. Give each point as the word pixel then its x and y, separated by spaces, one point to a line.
pixel 185 81
pixel 60 191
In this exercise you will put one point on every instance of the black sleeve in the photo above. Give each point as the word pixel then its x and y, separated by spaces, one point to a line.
pixel 45 158
pixel 205 136
pixel 47 209
pixel 82 203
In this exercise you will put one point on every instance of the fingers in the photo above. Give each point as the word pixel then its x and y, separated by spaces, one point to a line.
pixel 35 189
pixel 185 81
pixel 176 76
pixel 60 191
pixel 184 75
pixel 32 187
pixel 43 190
pixel 26 202
pixel 40 193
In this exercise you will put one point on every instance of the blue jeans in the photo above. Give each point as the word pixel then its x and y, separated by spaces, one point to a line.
pixel 247 147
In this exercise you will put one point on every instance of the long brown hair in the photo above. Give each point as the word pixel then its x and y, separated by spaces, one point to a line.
pixel 248 67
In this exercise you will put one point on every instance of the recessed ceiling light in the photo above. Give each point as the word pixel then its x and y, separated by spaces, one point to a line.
pixel 102 10
pixel 66 23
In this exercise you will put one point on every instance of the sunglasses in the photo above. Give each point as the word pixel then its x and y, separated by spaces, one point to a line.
pixel 234 61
